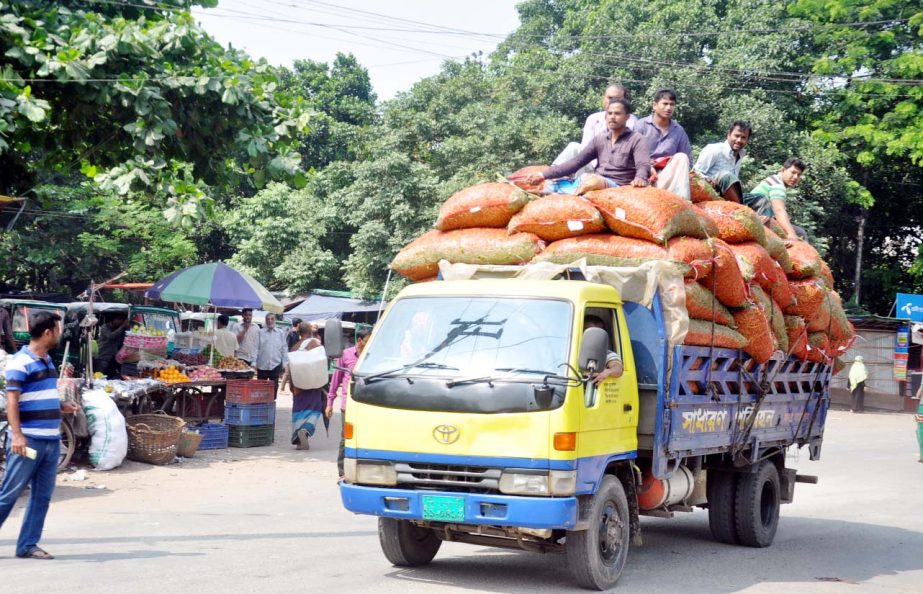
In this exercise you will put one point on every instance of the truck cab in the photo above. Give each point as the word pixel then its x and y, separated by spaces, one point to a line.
pixel 472 414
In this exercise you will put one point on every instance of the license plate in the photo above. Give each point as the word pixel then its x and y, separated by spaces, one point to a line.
pixel 443 509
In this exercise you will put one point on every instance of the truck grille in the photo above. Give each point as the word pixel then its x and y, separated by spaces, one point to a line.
pixel 464 478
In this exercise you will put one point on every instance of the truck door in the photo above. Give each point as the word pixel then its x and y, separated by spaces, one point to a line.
pixel 611 418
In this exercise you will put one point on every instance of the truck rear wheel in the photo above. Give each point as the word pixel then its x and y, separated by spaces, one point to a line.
pixel 406 544
pixel 597 555
pixel 721 489
pixel 757 509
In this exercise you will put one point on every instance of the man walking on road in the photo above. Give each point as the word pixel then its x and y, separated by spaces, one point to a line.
pixel 272 353
pixel 342 378
pixel 34 414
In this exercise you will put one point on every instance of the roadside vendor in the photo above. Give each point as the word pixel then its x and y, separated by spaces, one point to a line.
pixel 111 337
pixel 225 340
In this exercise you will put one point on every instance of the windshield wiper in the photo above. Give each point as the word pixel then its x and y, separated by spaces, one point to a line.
pixel 489 379
pixel 421 364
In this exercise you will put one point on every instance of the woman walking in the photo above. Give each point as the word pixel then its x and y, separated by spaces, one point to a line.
pixel 857 376
pixel 307 405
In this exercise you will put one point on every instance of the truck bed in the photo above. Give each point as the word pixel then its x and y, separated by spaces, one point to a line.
pixel 701 400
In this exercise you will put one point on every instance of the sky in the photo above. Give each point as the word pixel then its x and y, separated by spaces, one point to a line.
pixel 399 41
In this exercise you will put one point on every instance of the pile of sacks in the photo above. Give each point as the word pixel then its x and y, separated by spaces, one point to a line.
pixel 744 288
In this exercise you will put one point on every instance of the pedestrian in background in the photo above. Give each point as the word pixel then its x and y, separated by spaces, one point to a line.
pixel 857 376
pixel 293 338
pixel 341 379
pixel 271 353
pixel 307 405
pixel 33 446
pixel 6 332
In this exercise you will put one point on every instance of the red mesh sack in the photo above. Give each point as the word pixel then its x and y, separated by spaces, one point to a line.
pixel 756 265
pixel 736 222
pixel 710 227
pixel 754 325
pixel 701 304
pixel 694 252
pixel 420 259
pixel 700 190
pixel 838 365
pixel 826 274
pixel 775 316
pixel 818 346
pixel 776 248
pixel 806 261
pixel 797 336
pixel 809 294
pixel 604 250
pixel 518 176
pixel 841 329
pixel 651 214
pixel 483 205
pixel 725 281
pixel 557 217
pixel 703 333
pixel 778 288
pixel 819 319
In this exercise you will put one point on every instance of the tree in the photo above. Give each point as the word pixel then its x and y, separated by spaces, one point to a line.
pixel 142 99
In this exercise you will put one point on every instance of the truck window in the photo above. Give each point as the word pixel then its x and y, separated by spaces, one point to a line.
pixel 609 318
pixel 514 341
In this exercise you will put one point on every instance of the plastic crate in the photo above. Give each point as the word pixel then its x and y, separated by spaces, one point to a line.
pixel 250 437
pixel 250 414
pixel 214 436
pixel 250 391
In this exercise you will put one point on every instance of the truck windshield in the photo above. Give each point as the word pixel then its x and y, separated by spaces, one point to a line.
pixel 460 336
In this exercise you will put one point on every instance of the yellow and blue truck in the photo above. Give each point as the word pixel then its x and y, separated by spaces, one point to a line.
pixel 474 417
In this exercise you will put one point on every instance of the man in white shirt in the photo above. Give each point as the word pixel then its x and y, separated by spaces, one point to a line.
pixel 272 352
pixel 225 340
pixel 594 126
pixel 248 336
pixel 720 162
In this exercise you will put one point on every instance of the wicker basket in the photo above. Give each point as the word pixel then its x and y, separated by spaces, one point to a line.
pixel 153 438
pixel 188 444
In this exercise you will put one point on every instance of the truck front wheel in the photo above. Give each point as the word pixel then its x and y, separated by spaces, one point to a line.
pixel 597 555
pixel 757 509
pixel 406 544
pixel 721 490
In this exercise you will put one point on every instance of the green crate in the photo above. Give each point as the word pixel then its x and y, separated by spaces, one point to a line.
pixel 241 436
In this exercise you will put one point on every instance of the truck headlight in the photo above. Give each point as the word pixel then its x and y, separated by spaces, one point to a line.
pixel 369 472
pixel 519 483
pixel 555 483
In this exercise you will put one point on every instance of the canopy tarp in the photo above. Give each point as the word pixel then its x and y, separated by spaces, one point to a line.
pixel 326 307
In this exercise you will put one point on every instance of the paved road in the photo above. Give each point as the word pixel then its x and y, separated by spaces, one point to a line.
pixel 270 520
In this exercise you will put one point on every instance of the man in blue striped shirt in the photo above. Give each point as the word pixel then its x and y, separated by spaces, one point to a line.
pixel 34 414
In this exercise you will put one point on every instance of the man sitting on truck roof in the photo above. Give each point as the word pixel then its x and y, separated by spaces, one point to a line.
pixel 671 153
pixel 769 196
pixel 614 367
pixel 720 162
pixel 621 157
pixel 595 125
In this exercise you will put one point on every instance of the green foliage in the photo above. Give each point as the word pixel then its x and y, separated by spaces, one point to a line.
pixel 144 99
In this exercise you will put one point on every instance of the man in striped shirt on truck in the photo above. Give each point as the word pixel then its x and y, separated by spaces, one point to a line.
pixel 34 414
pixel 769 196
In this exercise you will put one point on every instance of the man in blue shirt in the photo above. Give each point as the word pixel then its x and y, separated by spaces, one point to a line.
pixel 671 153
pixel 34 414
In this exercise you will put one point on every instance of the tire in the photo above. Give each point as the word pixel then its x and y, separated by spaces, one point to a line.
pixel 405 544
pixel 596 556
pixel 68 445
pixel 757 510
pixel 721 489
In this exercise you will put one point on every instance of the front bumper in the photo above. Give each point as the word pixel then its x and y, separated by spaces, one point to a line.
pixel 493 510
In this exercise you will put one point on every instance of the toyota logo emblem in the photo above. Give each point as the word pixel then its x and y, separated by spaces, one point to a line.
pixel 446 434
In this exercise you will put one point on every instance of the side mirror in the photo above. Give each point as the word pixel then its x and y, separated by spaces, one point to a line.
pixel 333 338
pixel 544 396
pixel 593 349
